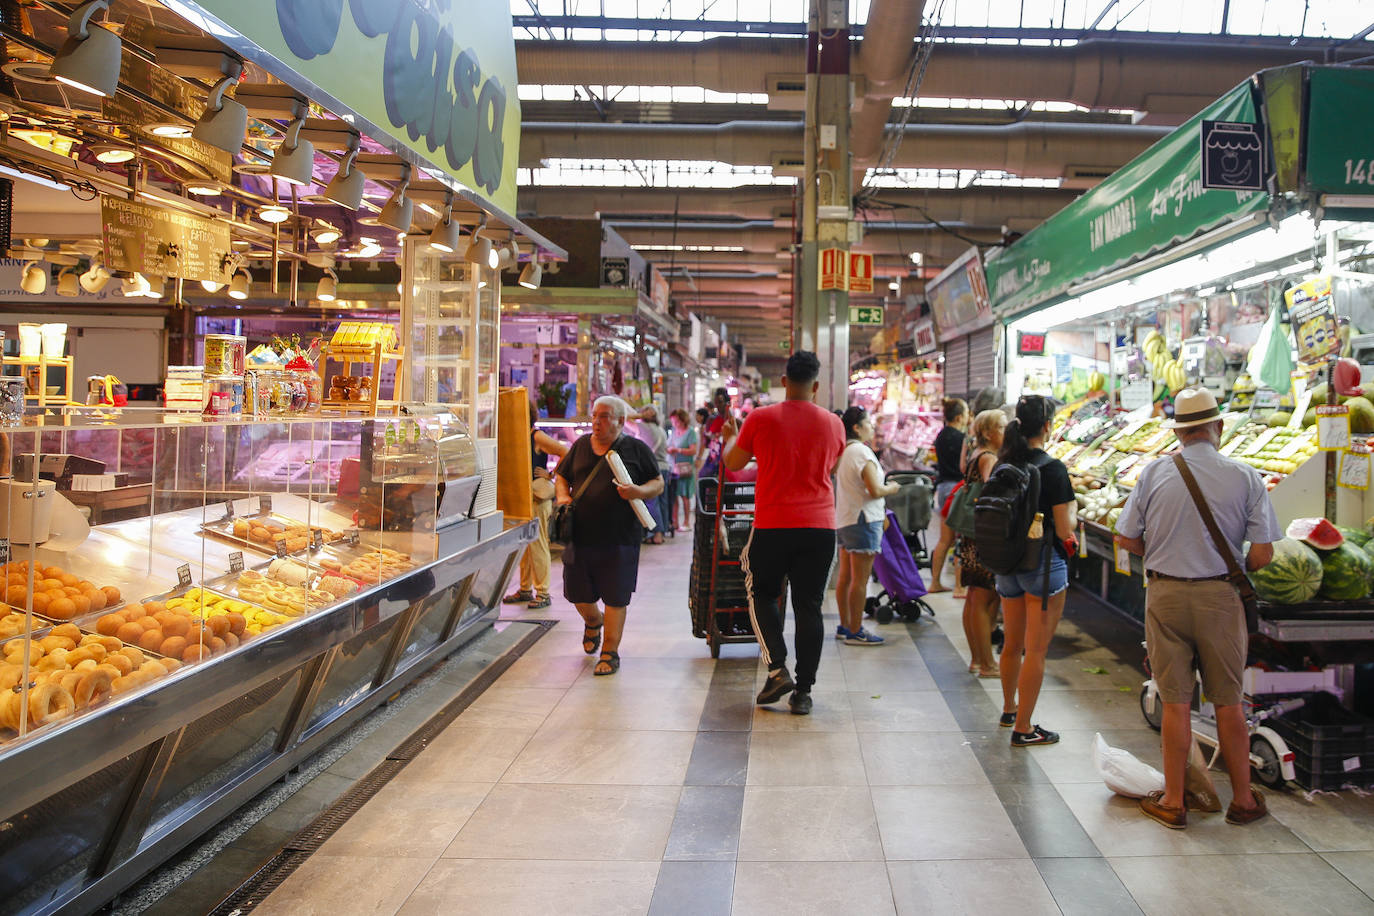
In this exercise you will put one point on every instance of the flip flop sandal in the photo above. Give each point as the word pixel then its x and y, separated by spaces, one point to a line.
pixel 591 638
pixel 611 660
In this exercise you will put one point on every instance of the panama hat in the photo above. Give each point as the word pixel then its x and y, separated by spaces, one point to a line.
pixel 1194 407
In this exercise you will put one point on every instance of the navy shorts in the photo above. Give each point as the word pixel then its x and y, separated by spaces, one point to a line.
pixel 862 537
pixel 1033 582
pixel 593 573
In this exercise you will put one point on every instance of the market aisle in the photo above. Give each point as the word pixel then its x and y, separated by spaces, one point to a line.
pixel 664 789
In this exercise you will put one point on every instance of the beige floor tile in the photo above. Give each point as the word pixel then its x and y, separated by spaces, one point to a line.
pixel 944 822
pixel 1327 823
pixel 1239 885
pixel 328 885
pixel 970 886
pixel 831 713
pixel 1071 760
pixel 461 754
pixel 545 671
pixel 607 757
pixel 514 887
pixel 901 711
pixel 792 759
pixel 920 759
pixel 874 674
pixel 641 709
pixel 1081 710
pixel 1118 828
pixel 511 707
pixel 408 820
pixel 806 888
pixel 795 824
pixel 569 822
pixel 1358 868
pixel 672 672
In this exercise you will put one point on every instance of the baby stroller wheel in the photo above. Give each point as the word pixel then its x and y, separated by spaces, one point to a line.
pixel 870 606
pixel 912 609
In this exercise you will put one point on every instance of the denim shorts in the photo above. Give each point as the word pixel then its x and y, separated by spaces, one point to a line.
pixel 863 537
pixel 1033 582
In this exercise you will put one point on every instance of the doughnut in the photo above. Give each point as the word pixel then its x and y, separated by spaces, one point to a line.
pixel 93 686
pixel 69 630
pixel 98 652
pixel 133 653
pixel 88 665
pixel 241 528
pixel 48 703
pixel 109 643
pixel 120 663
pixel 9 676
pixel 57 658
pixel 9 710
pixel 51 641
pixel 76 656
pixel 68 680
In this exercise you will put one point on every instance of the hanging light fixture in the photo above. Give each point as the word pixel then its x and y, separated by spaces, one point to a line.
pixel 95 278
pixel 89 58
pixel 399 209
pixel 479 250
pixel 532 275
pixel 111 153
pixel 508 256
pixel 368 248
pixel 445 235
pixel 67 284
pixel 136 285
pixel 204 189
pixel 294 161
pixel 273 213
pixel 328 287
pixel 325 234
pixel 154 287
pixel 238 286
pixel 346 187
pixel 35 278
pixel 224 121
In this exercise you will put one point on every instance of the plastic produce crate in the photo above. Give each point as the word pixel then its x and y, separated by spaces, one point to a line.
pixel 1331 745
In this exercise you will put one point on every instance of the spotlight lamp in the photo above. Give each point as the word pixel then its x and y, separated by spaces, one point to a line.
pixel 346 187
pixel 136 285
pixel 531 276
pixel 399 209
pixel 327 289
pixel 479 251
pixel 238 286
pixel 35 278
pixel 224 121
pixel 445 235
pixel 274 213
pixel 295 158
pixel 67 284
pixel 325 234
pixel 95 278
pixel 89 59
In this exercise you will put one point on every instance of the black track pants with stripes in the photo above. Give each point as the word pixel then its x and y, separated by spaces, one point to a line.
pixel 802 558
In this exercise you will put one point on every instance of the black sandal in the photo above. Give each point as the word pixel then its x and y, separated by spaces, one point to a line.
pixel 591 638
pixel 612 662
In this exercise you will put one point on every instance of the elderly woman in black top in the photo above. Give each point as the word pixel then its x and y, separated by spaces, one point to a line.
pixel 949 465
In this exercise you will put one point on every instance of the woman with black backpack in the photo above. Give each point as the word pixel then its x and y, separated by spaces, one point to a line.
pixel 1033 601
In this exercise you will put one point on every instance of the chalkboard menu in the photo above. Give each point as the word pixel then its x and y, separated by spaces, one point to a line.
pixel 161 243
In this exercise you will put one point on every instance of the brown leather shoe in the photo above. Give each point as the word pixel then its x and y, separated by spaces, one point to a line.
pixel 1242 816
pixel 1155 810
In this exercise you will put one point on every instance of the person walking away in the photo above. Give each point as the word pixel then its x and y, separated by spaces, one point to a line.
pixel 797 445
pixel 682 449
pixel 1193 615
pixel 949 453
pixel 1030 613
pixel 859 515
pixel 980 604
pixel 602 562
pixel 657 440
pixel 534 590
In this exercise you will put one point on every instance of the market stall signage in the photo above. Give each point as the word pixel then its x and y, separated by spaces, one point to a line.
pixel 1312 314
pixel 1232 156
pixel 959 297
pixel 1353 470
pixel 1333 427
pixel 860 273
pixel 434 80
pixel 865 314
pixel 161 243
pixel 1339 136
pixel 615 271
pixel 1030 343
pixel 1153 202
pixel 923 336
pixel 832 269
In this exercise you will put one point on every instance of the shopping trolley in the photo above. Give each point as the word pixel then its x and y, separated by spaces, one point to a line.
pixel 913 506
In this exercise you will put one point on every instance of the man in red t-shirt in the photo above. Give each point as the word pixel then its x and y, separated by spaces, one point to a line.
pixel 797 445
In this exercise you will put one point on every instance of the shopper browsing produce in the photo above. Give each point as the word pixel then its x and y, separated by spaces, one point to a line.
pixel 949 453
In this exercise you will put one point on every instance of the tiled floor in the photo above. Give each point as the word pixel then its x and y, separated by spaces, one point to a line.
pixel 665 790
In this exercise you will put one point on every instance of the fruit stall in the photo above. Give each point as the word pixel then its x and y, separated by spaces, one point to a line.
pixel 165 669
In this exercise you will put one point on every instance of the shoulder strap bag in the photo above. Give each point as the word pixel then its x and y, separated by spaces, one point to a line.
pixel 1234 574
pixel 562 523
pixel 960 517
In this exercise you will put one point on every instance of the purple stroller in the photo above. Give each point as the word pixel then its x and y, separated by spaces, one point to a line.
pixel 896 571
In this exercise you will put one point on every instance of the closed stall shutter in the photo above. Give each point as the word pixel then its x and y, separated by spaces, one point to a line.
pixel 982 361
pixel 956 368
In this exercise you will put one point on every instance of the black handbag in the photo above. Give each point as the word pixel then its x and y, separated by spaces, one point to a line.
pixel 562 523
pixel 1234 574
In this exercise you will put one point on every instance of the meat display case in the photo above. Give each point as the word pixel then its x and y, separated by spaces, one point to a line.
pixel 275 608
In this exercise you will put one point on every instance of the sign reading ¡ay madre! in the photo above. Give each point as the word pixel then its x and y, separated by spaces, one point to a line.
pixel 436 77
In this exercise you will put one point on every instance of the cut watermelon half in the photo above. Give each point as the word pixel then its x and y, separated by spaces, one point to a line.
pixel 1316 532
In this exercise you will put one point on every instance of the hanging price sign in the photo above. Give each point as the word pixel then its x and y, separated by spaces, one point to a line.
pixel 1333 427
pixel 1353 471
pixel 1123 558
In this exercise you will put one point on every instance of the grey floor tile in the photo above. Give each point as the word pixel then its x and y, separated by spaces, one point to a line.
pixel 791 759
pixel 901 711
pixel 1239 884
pixel 795 824
pixel 1086 887
pixel 1358 868
pixel 707 824
pixel 1045 824
pixel 719 759
pixel 1003 763
pixel 462 754
pixel 920 759
pixel 964 886
pixel 603 757
pixel 693 889
pixel 727 710
pixel 327 885
pixel 944 822
pixel 1343 822
pixel 812 889
pixel 527 887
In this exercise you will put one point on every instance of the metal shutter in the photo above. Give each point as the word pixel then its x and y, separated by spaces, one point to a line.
pixel 982 361
pixel 956 368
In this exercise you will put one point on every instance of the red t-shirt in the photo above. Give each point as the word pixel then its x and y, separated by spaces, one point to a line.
pixel 796 444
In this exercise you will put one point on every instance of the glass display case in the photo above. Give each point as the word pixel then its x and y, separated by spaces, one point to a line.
pixel 274 581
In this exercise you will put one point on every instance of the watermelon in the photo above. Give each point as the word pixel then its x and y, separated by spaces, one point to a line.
pixel 1356 536
pixel 1292 577
pixel 1316 532
pixel 1345 573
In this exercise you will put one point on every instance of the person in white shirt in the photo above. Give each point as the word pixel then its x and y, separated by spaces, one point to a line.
pixel 859 514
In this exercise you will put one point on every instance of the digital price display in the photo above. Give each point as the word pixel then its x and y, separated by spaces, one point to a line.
pixel 1030 344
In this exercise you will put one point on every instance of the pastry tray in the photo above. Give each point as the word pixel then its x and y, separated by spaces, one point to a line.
pixel 227 584
pixel 223 528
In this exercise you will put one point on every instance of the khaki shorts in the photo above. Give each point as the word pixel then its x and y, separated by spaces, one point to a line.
pixel 1195 620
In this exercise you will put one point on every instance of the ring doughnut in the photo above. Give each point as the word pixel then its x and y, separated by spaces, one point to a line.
pixel 94 685
pixel 57 658
pixel 68 680
pixel 109 643
pixel 119 662
pixel 76 656
pixel 133 654
pixel 48 703
pixel 87 665
pixel 14 651
pixel 9 710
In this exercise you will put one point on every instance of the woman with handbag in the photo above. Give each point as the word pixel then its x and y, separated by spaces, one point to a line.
pixel 980 604
pixel 682 447
pixel 859 513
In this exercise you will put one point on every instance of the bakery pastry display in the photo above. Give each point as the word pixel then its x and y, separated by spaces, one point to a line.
pixel 279 596
pixel 379 564
pixel 57 594
pixel 265 531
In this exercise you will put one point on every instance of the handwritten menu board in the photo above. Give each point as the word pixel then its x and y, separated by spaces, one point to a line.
pixel 161 243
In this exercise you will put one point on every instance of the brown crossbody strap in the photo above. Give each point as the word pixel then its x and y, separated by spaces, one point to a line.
pixel 1233 570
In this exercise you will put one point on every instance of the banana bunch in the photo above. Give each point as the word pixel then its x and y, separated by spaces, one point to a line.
pixel 1165 368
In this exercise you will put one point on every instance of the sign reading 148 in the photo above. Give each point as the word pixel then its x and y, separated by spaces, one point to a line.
pixel 1359 171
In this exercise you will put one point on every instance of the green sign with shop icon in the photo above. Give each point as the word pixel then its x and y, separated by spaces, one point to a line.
pixel 865 314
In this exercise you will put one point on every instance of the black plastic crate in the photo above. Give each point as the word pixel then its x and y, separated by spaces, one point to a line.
pixel 1331 745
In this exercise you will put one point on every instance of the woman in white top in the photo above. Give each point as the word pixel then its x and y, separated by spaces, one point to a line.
pixel 859 514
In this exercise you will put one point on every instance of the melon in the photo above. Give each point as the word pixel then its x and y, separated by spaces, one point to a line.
pixel 1292 577
pixel 1316 532
pixel 1345 573
pixel 1309 418
pixel 1356 536
pixel 1361 415
pixel 1279 418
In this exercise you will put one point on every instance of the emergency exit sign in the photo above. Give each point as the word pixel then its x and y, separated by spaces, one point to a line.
pixel 865 314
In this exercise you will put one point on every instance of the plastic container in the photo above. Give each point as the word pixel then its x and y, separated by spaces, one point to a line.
pixel 30 340
pixel 1331 745
pixel 222 396
pixel 225 354
pixel 26 515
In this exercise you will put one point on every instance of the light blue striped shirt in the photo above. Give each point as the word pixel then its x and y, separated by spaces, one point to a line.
pixel 1176 541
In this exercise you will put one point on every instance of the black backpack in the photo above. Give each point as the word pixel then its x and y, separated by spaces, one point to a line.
pixel 1002 517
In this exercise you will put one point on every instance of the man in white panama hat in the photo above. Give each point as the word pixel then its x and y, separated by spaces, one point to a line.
pixel 1191 610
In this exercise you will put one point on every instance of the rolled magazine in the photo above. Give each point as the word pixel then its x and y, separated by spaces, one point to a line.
pixel 623 476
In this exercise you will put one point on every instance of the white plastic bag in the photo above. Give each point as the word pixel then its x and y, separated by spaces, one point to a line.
pixel 1123 773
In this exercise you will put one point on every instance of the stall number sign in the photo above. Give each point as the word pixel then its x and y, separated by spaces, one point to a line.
pixel 1310 308
pixel 161 243
pixel 1333 427
pixel 860 273
pixel 865 314
pixel 1353 471
pixel 832 269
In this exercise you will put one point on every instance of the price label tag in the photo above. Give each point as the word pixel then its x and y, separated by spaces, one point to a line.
pixel 1353 470
pixel 1300 409
pixel 4 550
pixel 1123 558
pixel 316 539
pixel 281 548
pixel 1333 427
pixel 265 504
pixel 1137 394
pixel 236 561
pixel 352 538
pixel 1260 442
pixel 184 575
pixel 1231 446
pixel 228 508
